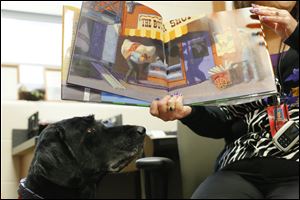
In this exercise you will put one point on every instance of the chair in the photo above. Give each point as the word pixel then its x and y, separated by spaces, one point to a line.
pixel 197 158
pixel 154 176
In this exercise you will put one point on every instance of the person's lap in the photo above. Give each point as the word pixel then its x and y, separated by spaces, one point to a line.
pixel 286 189
pixel 230 185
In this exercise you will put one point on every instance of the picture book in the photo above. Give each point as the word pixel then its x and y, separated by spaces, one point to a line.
pixel 127 49
pixel 80 93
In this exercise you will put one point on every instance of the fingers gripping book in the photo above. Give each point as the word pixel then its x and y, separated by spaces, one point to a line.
pixel 128 49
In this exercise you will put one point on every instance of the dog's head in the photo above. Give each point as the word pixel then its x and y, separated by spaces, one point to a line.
pixel 83 148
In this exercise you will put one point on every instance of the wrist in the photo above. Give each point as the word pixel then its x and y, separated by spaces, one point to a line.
pixel 187 111
pixel 292 27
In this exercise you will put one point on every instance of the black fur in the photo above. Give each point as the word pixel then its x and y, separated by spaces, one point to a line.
pixel 73 155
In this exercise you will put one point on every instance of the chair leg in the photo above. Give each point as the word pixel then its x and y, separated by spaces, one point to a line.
pixel 154 176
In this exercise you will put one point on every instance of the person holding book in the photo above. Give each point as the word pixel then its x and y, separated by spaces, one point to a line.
pixel 251 165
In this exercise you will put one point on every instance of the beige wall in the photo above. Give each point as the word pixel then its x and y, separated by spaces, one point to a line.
pixel 174 9
pixel 197 158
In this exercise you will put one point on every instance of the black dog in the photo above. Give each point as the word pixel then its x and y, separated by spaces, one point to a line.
pixel 73 155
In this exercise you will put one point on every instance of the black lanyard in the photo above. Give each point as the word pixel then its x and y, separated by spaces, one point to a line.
pixel 278 75
pixel 277 68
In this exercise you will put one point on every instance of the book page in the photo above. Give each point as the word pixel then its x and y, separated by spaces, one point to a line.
pixel 70 19
pixel 223 57
pixel 118 49
pixel 75 92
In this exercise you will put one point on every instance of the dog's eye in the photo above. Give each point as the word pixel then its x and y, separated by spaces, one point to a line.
pixel 91 130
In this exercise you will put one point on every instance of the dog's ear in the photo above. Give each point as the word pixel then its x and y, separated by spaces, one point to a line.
pixel 57 134
pixel 61 132
pixel 89 119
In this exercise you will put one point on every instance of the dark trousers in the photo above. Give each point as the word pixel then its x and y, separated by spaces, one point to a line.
pixel 232 185
pixel 133 70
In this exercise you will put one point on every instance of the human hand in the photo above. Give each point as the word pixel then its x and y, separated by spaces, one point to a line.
pixel 280 21
pixel 170 108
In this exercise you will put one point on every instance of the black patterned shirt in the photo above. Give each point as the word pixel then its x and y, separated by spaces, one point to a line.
pixel 245 127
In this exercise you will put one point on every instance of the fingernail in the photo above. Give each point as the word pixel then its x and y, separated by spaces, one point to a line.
pixel 157 99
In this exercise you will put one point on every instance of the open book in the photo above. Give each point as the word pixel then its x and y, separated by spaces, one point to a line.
pixel 127 49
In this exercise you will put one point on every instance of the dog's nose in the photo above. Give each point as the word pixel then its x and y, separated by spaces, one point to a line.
pixel 141 130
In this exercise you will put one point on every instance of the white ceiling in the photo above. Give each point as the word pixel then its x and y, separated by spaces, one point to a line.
pixel 40 7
